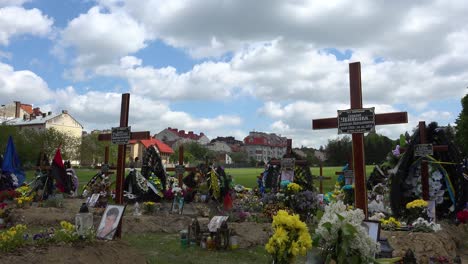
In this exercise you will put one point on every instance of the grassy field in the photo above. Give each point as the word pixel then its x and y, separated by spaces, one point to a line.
pixel 166 248
pixel 243 176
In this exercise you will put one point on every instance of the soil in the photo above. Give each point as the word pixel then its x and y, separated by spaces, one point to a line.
pixel 99 252
pixel 450 241
pixel 117 251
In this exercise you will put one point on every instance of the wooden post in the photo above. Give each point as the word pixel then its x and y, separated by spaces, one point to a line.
pixel 124 110
pixel 358 138
pixel 180 175
pixel 106 155
pixel 321 178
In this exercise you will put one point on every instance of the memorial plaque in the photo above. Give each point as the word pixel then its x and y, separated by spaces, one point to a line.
pixel 287 163
pixel 179 169
pixel 356 121
pixel 349 177
pixel 121 135
pixel 422 150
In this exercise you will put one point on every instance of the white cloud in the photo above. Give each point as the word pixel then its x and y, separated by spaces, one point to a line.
pixel 17 21
pixel 100 110
pixel 23 86
pixel 100 38
pixel 13 2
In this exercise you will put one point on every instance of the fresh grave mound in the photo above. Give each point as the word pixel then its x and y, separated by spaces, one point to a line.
pixel 99 252
pixel 47 216
pixel 448 242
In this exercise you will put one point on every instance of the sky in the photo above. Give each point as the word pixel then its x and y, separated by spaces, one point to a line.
pixel 228 67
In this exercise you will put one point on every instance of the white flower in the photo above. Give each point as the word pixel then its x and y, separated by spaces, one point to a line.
pixel 436 175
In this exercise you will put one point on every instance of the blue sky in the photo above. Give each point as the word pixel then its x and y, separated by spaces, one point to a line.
pixel 227 68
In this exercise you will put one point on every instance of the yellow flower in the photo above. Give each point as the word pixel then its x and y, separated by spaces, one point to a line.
pixel 416 203
pixel 294 187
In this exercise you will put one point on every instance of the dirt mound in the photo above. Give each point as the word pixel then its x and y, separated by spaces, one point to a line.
pixel 99 252
pixel 446 242
pixel 164 222
pixel 251 234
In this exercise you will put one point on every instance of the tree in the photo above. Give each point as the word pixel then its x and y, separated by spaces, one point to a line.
pixel 240 157
pixel 338 151
pixel 462 126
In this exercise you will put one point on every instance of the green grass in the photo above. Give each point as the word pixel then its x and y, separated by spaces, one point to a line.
pixel 166 248
pixel 243 176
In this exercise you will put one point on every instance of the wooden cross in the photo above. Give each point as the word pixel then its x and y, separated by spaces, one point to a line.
pixel 124 109
pixel 358 138
pixel 321 178
pixel 181 169
pixel 424 167
pixel 288 155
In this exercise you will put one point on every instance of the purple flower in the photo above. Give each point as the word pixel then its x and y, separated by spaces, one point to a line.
pixel 37 236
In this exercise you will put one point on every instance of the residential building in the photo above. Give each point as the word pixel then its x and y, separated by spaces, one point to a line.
pixel 219 146
pixel 137 148
pixel 62 122
pixel 173 137
pixel 17 110
pixel 228 140
pixel 263 146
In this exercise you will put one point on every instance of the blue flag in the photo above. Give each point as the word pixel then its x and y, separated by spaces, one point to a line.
pixel 11 163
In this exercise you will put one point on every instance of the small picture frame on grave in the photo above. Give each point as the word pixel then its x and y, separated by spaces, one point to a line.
pixel 93 200
pixel 373 229
pixel 320 197
pixel 177 205
pixel 431 210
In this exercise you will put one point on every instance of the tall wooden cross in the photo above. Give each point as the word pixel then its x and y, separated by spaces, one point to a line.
pixel 358 138
pixel 180 169
pixel 424 167
pixel 124 109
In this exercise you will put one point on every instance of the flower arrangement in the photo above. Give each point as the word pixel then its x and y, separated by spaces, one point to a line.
pixel 8 195
pixel 293 188
pixel 214 185
pixel 304 203
pixel 67 233
pixel 416 209
pixel 390 224
pixel 342 237
pixel 12 238
pixel 149 207
pixel 25 196
pixel 290 238
pixel 462 216
pixel 422 225
pixel 156 182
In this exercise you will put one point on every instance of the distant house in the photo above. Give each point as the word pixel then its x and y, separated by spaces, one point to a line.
pixel 137 148
pixel 62 122
pixel 17 110
pixel 262 146
pixel 173 137
pixel 219 146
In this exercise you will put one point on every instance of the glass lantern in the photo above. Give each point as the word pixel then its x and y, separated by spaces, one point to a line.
pixel 83 223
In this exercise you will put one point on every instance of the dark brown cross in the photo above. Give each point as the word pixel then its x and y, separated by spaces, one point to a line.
pixel 321 178
pixel 358 138
pixel 424 167
pixel 288 155
pixel 180 173
pixel 124 109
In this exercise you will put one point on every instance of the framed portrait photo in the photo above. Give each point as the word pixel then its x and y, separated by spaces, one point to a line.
pixel 373 229
pixel 110 221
